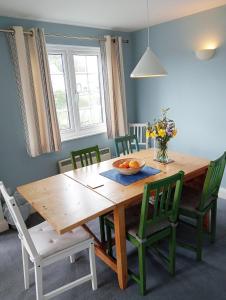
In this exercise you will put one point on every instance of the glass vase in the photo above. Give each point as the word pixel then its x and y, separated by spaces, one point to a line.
pixel 161 152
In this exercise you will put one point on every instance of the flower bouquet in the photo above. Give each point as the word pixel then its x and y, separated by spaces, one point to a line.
pixel 162 131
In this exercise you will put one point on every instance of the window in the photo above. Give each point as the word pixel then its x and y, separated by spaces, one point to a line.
pixel 78 89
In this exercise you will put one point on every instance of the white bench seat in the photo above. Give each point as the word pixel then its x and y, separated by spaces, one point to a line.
pixel 47 241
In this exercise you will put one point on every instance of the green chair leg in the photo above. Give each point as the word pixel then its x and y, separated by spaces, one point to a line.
pixel 109 240
pixel 213 222
pixel 172 251
pixel 199 237
pixel 142 270
pixel 102 230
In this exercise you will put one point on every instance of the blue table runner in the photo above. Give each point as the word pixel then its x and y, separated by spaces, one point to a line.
pixel 129 179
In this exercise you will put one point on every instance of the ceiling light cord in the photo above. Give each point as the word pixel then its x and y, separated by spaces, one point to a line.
pixel 148 23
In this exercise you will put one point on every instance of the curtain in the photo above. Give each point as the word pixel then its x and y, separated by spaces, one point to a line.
pixel 114 86
pixel 37 102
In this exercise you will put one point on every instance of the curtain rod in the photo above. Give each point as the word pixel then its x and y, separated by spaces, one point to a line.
pixel 64 36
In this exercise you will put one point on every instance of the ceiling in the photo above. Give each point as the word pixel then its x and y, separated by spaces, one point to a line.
pixel 125 15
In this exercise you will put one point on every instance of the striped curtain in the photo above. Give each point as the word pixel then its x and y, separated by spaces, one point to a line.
pixel 37 102
pixel 114 86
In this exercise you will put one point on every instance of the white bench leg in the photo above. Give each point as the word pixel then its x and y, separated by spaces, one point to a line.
pixel 93 266
pixel 25 267
pixel 38 282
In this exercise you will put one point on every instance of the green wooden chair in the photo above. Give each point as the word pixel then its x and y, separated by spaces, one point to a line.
pixel 85 156
pixel 124 144
pixel 196 204
pixel 148 223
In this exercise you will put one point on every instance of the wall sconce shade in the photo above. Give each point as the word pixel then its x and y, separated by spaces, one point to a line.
pixel 205 54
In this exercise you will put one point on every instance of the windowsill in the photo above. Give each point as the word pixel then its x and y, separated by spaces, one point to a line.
pixel 77 137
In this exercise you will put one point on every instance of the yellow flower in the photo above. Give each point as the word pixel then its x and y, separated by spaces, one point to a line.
pixel 147 133
pixel 162 133
pixel 153 134
pixel 175 132
pixel 157 126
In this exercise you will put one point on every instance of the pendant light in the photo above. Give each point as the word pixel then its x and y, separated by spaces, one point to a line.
pixel 148 65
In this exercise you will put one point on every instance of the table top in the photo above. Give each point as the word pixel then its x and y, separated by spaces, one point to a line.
pixel 63 202
pixel 120 194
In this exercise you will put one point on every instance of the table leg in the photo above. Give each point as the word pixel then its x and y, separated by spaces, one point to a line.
pixel 120 243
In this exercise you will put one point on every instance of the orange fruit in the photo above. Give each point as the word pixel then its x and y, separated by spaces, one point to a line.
pixel 134 164
pixel 126 164
pixel 121 166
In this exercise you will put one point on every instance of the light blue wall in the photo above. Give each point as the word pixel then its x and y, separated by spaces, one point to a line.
pixel 16 167
pixel 194 90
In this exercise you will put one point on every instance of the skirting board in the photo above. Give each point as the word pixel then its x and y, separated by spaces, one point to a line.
pixel 4 226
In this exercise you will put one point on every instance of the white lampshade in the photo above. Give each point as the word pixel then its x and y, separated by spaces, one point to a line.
pixel 148 66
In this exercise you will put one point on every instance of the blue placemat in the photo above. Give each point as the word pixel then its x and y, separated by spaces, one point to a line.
pixel 129 179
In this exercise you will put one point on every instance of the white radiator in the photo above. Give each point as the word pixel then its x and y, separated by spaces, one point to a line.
pixel 65 165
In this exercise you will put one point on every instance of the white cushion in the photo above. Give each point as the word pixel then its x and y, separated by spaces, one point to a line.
pixel 47 241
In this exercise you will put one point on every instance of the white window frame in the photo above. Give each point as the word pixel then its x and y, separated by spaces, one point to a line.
pixel 67 52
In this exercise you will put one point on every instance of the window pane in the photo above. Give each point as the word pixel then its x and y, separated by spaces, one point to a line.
pixel 82 84
pixel 93 81
pixel 80 63
pixel 59 90
pixel 85 116
pixel 92 64
pixel 84 100
pixel 95 99
pixel 88 89
pixel 55 63
pixel 96 114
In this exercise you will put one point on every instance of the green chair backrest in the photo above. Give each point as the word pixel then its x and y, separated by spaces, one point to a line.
pixel 212 181
pixel 85 156
pixel 165 197
pixel 123 144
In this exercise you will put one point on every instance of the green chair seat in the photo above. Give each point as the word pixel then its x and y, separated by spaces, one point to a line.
pixel 156 228
pixel 190 199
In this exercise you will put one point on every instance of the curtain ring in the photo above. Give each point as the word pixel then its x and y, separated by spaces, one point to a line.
pixel 13 33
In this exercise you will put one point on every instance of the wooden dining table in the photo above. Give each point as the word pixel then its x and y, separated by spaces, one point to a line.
pixel 72 199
